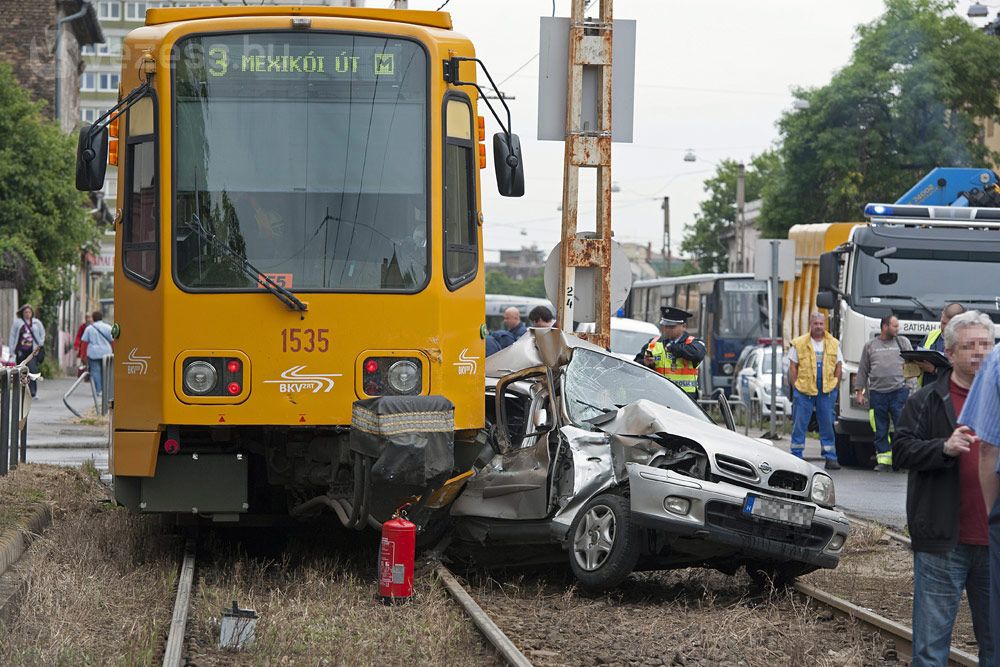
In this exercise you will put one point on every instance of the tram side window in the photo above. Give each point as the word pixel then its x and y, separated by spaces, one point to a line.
pixel 140 240
pixel 460 234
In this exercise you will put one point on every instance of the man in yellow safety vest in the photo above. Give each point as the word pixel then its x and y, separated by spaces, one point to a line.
pixel 935 341
pixel 676 354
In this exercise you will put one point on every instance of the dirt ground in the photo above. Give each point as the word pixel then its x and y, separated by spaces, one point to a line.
pixel 877 573
pixel 683 617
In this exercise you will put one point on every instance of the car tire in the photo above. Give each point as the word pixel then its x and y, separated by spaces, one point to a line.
pixel 603 543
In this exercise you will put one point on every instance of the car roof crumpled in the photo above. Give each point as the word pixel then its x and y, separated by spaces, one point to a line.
pixel 538 347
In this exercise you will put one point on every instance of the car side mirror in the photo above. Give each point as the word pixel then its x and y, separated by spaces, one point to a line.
pixel 727 412
pixel 91 158
pixel 508 164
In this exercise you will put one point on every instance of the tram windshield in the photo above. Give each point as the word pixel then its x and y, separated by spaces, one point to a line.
pixel 306 155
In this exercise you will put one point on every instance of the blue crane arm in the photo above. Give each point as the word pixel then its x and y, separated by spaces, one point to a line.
pixel 947 186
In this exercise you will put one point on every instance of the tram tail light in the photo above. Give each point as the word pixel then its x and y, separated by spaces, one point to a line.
pixel 213 376
pixel 234 388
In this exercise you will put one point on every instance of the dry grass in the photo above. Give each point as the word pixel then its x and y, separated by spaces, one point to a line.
pixel 99 580
pixel 685 617
pixel 318 607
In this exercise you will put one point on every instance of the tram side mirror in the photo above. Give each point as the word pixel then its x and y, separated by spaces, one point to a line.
pixel 509 165
pixel 91 159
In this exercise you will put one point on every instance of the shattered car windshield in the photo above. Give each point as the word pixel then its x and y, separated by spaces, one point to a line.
pixel 596 383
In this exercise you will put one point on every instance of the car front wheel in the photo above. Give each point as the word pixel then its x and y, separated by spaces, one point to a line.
pixel 604 543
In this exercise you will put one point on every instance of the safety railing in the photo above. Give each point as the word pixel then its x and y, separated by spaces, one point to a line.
pixel 13 417
pixel 102 401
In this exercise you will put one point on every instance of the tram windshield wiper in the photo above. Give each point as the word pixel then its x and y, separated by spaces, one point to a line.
pixel 248 269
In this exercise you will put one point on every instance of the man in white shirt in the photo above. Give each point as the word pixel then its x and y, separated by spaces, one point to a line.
pixel 814 371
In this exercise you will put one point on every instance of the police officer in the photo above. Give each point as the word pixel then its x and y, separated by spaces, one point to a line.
pixel 676 354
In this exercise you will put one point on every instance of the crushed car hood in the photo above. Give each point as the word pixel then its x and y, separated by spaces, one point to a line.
pixel 633 425
pixel 538 347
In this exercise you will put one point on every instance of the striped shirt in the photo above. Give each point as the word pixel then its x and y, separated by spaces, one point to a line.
pixel 981 412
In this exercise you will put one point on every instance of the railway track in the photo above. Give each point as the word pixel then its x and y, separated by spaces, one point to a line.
pixel 173 655
pixel 898 633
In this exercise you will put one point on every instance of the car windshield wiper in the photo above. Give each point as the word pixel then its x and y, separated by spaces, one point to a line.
pixel 914 300
pixel 248 269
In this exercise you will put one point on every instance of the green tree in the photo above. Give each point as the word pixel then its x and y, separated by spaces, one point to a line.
pixel 919 78
pixel 498 282
pixel 43 223
pixel 717 213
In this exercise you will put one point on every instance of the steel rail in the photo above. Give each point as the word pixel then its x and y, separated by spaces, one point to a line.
pixel 173 655
pixel 501 642
pixel 894 535
pixel 901 633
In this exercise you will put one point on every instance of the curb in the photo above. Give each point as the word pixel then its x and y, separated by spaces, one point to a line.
pixel 62 444
pixel 13 544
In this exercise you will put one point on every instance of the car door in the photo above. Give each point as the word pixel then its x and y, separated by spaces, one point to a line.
pixel 514 484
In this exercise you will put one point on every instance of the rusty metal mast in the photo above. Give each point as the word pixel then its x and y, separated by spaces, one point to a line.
pixel 589 44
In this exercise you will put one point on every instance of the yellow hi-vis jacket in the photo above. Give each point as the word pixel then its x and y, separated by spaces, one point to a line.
pixel 806 382
pixel 683 372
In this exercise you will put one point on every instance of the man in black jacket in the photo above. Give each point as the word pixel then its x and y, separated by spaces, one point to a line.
pixel 944 503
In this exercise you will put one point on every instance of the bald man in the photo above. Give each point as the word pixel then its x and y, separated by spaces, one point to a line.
pixel 512 322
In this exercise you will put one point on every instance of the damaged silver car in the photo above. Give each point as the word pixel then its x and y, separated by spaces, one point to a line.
pixel 606 463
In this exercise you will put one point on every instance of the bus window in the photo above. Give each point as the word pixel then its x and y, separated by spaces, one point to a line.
pixel 139 243
pixel 742 309
pixel 461 257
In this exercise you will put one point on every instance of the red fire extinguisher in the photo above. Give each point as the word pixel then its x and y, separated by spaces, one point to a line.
pixel 395 559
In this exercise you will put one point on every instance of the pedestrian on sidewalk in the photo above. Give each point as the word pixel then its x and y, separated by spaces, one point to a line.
pixel 77 343
pixel 96 344
pixel 880 370
pixel 27 335
pixel 934 340
pixel 814 371
pixel 945 510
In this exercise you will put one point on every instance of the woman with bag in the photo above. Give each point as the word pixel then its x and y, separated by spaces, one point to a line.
pixel 27 334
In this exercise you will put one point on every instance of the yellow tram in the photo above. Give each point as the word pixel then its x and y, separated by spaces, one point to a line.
pixel 300 230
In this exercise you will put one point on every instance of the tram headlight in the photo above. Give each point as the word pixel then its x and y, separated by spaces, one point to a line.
pixel 404 376
pixel 200 377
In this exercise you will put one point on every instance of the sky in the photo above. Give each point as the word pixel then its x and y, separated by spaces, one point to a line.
pixel 711 76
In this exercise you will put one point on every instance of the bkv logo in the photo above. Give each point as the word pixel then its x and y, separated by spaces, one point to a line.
pixel 295 380
pixel 136 364
pixel 466 365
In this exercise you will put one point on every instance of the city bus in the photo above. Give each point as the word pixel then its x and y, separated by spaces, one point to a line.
pixel 729 311
pixel 300 232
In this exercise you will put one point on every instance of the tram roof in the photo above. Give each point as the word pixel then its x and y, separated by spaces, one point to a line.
pixel 418 17
pixel 684 280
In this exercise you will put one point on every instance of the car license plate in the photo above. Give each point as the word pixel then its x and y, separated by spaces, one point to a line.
pixel 776 509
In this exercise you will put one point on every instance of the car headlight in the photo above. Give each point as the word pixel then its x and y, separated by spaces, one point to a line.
pixel 822 492
pixel 404 376
pixel 200 377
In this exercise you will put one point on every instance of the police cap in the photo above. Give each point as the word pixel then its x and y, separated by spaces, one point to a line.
pixel 670 316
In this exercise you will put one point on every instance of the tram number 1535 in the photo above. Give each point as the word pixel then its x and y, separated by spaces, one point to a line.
pixel 305 340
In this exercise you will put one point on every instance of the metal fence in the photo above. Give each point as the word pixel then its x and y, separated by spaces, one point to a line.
pixel 103 401
pixel 13 417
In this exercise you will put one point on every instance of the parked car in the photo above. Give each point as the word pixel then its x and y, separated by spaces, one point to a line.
pixel 627 336
pixel 605 463
pixel 753 379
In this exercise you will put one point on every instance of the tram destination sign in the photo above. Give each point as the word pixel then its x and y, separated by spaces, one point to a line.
pixel 275 60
